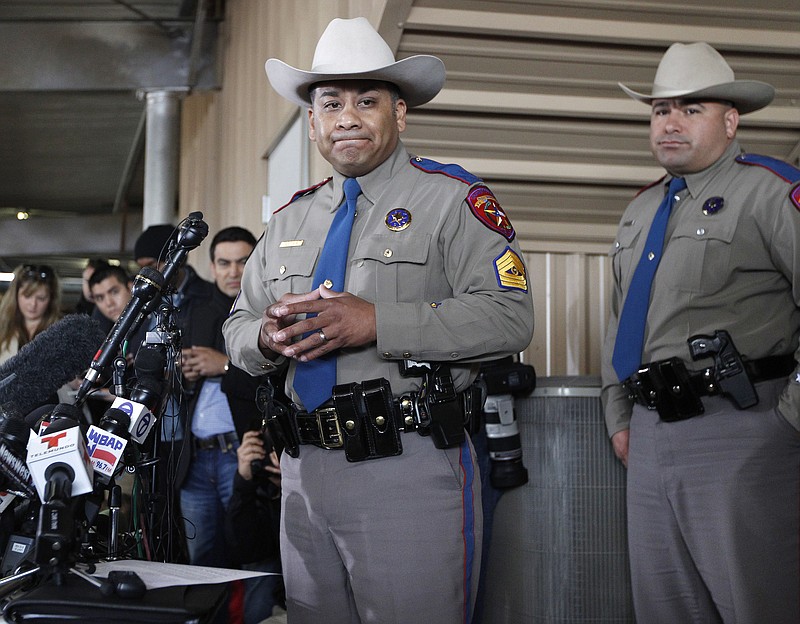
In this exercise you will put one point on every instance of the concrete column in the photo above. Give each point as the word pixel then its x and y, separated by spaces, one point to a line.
pixel 162 141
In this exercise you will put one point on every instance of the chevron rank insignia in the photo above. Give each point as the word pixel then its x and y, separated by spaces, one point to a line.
pixel 486 208
pixel 510 271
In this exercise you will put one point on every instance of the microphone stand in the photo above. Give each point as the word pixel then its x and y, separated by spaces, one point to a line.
pixel 17 580
pixel 114 501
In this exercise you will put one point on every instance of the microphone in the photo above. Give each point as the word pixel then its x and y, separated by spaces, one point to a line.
pixel 15 477
pixel 54 357
pixel 61 469
pixel 107 443
pixel 146 285
pixel 145 396
pixel 59 461
pixel 191 232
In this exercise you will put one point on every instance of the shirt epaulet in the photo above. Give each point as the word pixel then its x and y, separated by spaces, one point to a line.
pixel 451 171
pixel 649 186
pixel 781 169
pixel 304 192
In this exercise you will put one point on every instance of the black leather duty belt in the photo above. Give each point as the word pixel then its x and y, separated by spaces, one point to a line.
pixel 222 441
pixel 366 419
pixel 322 426
pixel 676 392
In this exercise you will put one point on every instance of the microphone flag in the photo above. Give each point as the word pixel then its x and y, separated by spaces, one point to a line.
pixel 66 449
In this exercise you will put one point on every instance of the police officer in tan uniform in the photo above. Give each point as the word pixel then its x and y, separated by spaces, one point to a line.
pixel 705 408
pixel 381 513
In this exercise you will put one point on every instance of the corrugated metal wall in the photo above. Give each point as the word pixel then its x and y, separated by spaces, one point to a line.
pixel 531 104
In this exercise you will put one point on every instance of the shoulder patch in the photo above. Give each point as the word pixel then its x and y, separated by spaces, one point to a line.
pixel 778 167
pixel 451 171
pixel 795 196
pixel 304 192
pixel 651 185
pixel 486 208
pixel 510 271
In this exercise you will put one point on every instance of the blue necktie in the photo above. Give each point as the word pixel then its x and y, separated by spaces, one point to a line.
pixel 630 331
pixel 314 380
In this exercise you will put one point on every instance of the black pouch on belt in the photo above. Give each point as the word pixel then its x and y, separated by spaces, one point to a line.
pixel 277 420
pixel 445 409
pixel 368 419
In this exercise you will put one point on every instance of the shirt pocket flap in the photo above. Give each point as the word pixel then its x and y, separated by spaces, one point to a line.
pixel 626 238
pixel 286 262
pixel 716 230
pixel 391 249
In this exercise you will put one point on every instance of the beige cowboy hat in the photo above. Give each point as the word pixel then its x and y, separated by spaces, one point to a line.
pixel 696 70
pixel 351 49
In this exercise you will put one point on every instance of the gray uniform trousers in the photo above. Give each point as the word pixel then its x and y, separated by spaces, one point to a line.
pixel 713 515
pixel 400 537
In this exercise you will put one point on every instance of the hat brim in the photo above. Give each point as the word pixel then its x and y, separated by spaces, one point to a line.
pixel 746 95
pixel 419 79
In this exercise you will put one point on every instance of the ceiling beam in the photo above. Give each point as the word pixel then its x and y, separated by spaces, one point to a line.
pixel 623 108
pixel 615 31
pixel 102 56
pixel 544 171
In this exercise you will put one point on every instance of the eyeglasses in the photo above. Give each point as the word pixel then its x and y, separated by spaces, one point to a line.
pixel 40 272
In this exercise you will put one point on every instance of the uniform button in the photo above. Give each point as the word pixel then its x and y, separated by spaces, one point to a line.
pixel 454 356
pixel 282 270
pixel 327 283
pixel 406 354
pixel 616 245
pixel 386 355
pixel 266 366
pixel 361 263
pixel 387 253
pixel 701 231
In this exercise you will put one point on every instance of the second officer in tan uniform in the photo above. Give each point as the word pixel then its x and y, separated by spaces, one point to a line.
pixel 705 409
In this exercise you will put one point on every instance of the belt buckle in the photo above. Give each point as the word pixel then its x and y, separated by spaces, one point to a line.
pixel 329 439
pixel 222 441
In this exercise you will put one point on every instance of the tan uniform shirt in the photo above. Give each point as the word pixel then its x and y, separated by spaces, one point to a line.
pixel 736 269
pixel 435 286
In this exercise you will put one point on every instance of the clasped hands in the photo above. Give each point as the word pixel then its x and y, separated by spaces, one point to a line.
pixel 342 320
pixel 199 362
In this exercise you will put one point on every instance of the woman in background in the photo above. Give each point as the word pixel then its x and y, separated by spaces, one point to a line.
pixel 31 304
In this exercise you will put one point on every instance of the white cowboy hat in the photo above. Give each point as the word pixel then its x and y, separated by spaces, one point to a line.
pixel 351 49
pixel 696 70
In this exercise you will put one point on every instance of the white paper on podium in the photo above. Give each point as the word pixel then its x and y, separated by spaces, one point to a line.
pixel 156 574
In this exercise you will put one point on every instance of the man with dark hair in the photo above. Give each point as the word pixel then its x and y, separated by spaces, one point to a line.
pixel 110 287
pixel 188 294
pixel 222 408
pixel 85 303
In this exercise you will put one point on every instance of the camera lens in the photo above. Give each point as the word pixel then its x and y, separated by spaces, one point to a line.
pixel 503 442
